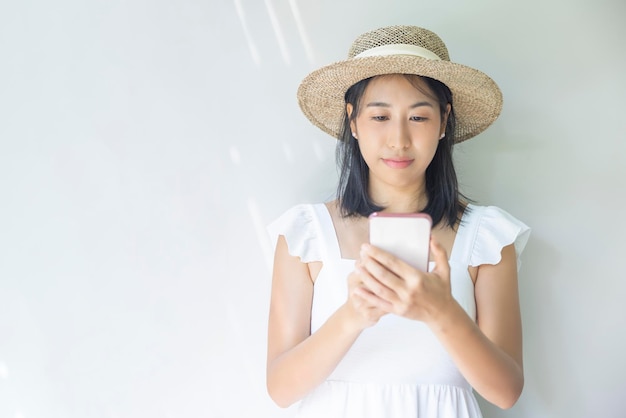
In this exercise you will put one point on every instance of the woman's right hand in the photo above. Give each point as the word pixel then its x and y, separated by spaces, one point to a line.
pixel 362 313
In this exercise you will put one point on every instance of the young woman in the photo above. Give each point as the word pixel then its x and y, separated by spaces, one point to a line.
pixel 355 331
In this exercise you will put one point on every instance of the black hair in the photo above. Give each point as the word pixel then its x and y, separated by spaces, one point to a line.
pixel 444 199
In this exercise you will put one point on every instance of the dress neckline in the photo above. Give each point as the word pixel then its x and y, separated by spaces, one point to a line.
pixel 327 224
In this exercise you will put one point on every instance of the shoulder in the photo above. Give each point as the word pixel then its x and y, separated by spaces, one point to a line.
pixel 299 226
pixel 493 229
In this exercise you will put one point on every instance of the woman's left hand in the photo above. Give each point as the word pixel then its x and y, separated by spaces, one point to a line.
pixel 397 287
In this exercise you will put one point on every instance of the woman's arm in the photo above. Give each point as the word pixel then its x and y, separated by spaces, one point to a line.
pixel 297 361
pixel 488 353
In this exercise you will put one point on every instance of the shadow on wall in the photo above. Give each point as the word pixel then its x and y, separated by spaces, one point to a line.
pixel 544 371
pixel 547 356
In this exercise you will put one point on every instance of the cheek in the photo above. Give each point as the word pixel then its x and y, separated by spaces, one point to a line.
pixel 433 151
pixel 426 149
pixel 428 140
pixel 433 148
pixel 366 151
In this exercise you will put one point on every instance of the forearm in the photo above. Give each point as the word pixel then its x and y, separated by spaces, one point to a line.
pixel 296 372
pixel 489 369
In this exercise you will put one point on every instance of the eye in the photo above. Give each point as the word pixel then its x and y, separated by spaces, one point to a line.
pixel 418 118
pixel 380 118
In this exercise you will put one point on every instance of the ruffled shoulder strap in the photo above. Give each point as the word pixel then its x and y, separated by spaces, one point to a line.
pixel 484 231
pixel 299 227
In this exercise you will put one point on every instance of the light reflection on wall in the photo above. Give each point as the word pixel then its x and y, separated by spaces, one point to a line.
pixel 288 153
pixel 254 52
pixel 235 156
pixel 306 43
pixel 280 37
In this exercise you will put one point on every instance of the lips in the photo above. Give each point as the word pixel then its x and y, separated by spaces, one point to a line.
pixel 398 162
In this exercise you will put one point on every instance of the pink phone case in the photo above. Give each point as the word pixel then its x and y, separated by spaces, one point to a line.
pixel 405 235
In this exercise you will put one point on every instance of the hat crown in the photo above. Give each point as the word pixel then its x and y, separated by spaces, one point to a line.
pixel 406 35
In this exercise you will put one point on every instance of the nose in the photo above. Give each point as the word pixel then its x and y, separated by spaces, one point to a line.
pixel 399 136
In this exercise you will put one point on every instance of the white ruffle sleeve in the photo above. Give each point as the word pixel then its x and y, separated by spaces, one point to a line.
pixel 496 229
pixel 300 230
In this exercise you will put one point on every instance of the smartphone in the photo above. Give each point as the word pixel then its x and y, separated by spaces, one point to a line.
pixel 405 235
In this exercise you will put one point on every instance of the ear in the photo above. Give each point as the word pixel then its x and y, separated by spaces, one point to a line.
pixel 444 121
pixel 349 110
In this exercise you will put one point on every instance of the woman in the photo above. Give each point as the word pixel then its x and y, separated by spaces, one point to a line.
pixel 355 331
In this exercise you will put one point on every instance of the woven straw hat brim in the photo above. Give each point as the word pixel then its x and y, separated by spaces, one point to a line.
pixel 477 100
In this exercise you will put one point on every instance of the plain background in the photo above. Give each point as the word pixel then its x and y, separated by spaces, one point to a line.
pixel 144 146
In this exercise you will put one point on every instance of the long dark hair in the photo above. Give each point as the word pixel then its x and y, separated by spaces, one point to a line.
pixel 444 199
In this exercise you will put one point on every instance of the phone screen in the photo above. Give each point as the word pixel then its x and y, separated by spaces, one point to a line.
pixel 407 236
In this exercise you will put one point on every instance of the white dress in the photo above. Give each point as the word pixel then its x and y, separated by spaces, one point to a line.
pixel 396 368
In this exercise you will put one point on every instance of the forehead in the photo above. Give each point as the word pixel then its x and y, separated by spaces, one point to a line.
pixel 399 86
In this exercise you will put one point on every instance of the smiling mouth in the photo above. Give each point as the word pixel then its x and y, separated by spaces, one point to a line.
pixel 398 162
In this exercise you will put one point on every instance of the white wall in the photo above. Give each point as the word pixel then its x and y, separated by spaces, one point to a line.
pixel 144 146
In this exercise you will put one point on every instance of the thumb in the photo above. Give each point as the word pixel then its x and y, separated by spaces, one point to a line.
pixel 440 257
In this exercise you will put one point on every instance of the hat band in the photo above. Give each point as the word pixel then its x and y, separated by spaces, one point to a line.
pixel 399 49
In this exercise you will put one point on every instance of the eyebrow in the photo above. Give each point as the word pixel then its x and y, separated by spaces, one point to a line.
pixel 413 106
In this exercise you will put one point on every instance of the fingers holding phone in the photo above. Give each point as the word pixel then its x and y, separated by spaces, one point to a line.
pixel 396 265
pixel 364 312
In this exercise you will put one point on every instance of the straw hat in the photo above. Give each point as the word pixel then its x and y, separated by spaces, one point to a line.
pixel 477 100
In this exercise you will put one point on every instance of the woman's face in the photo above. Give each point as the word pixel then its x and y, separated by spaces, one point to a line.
pixel 398 128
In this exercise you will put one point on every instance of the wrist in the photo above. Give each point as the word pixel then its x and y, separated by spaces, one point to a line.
pixel 351 321
pixel 449 318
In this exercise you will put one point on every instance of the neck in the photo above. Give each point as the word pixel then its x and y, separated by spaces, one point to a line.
pixel 400 200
